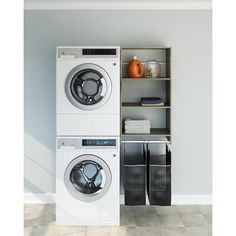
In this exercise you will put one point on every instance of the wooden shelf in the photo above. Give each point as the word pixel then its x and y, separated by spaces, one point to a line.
pixel 147 79
pixel 138 105
pixel 154 132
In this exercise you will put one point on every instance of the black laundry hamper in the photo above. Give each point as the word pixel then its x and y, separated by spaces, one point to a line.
pixel 135 178
pixel 159 178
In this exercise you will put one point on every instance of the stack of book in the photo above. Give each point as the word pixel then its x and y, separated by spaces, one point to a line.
pixel 152 101
pixel 137 126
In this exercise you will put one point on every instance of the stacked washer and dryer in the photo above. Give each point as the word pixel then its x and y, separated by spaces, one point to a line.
pixel 88 130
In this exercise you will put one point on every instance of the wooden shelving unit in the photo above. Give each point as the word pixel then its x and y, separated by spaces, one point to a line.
pixel 133 89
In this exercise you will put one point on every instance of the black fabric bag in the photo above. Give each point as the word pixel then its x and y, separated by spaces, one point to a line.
pixel 135 178
pixel 159 178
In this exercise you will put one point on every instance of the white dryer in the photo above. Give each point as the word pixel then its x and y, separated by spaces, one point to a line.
pixel 87 181
pixel 88 91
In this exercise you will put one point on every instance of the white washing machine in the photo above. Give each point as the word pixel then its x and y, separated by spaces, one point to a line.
pixel 87 181
pixel 88 91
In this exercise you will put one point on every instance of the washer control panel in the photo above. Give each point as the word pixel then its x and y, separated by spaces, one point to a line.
pixel 99 142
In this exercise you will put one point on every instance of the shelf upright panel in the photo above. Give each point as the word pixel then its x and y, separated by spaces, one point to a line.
pixel 168 89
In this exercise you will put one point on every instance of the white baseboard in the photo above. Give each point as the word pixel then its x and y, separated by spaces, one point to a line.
pixel 47 198
pixel 192 199
pixel 187 199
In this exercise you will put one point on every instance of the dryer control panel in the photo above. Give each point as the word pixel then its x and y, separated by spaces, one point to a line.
pixel 99 51
pixel 71 143
pixel 68 53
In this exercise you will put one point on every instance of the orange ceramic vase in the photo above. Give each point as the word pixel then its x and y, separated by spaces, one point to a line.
pixel 135 68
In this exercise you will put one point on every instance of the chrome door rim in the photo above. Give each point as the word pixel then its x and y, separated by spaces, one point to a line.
pixel 106 82
pixel 87 197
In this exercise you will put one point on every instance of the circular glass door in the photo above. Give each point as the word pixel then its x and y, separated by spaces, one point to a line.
pixel 88 86
pixel 87 177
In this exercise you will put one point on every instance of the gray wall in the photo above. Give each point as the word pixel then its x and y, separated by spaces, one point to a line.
pixel 188 32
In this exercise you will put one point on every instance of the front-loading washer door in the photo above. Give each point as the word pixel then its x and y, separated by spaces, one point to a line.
pixel 87 177
pixel 88 86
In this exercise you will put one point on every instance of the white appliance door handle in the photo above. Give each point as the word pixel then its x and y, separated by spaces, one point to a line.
pixel 104 87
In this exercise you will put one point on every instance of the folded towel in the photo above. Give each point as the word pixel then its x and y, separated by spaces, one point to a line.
pixel 152 100
pixel 153 104
pixel 137 131
pixel 137 128
pixel 130 120
pixel 138 122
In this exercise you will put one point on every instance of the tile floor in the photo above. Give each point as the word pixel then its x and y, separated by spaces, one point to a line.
pixel 177 220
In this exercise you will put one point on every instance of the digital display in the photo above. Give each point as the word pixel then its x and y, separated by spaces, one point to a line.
pixel 98 142
pixel 99 51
